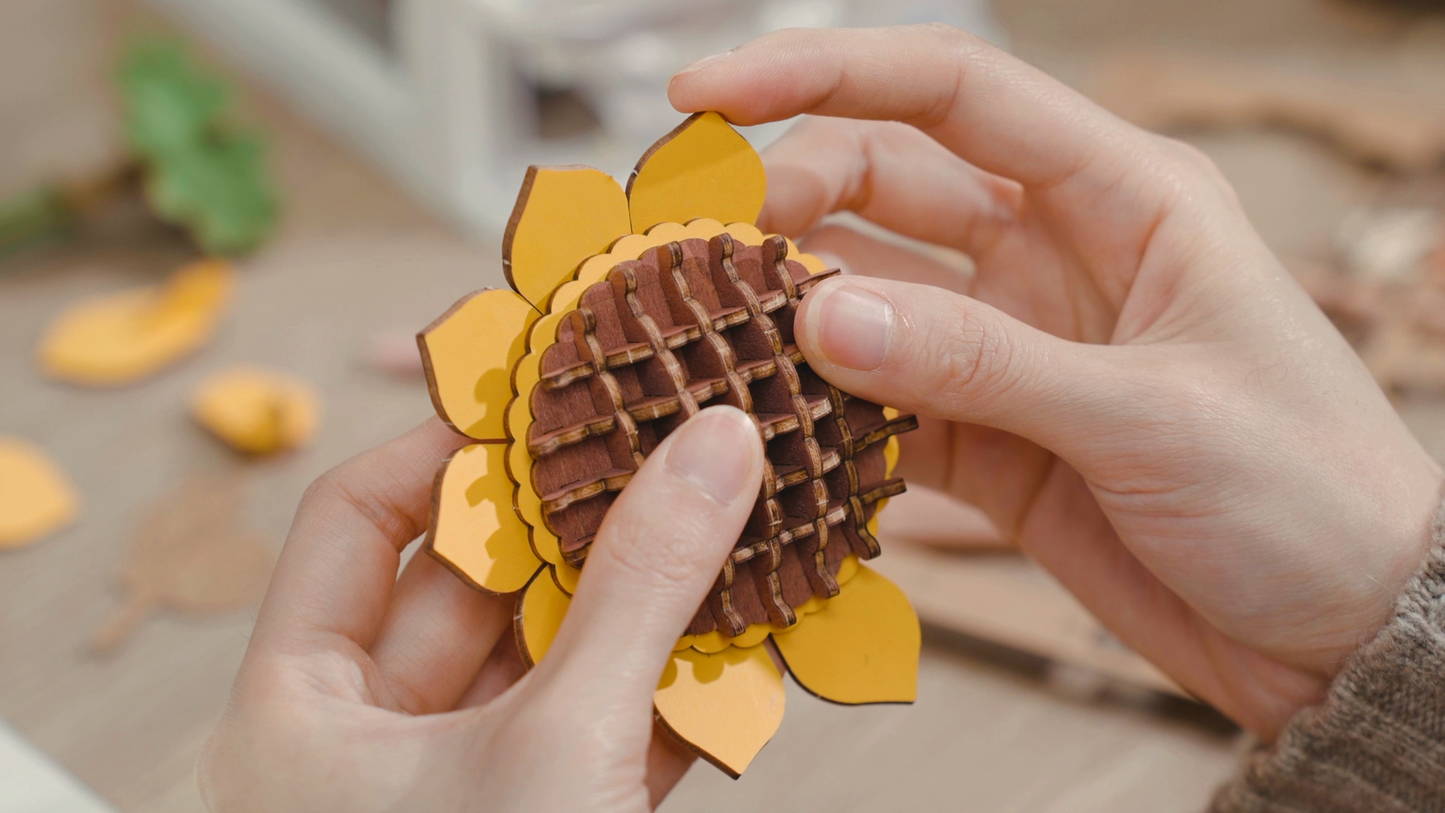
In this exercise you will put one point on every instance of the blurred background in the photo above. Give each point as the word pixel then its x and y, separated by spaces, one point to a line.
pixel 222 223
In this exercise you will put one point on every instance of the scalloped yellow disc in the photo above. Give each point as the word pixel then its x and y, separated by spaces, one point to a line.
pixel 36 498
pixel 119 338
pixel 703 168
pixel 256 410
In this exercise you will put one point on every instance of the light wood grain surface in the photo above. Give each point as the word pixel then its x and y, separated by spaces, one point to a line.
pixel 989 733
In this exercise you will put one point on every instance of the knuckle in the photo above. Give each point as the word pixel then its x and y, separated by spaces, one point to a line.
pixel 661 546
pixel 337 489
pixel 1192 168
pixel 951 34
pixel 652 560
pixel 323 489
pixel 977 359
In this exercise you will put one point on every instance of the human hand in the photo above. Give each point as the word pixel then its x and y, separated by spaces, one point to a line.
pixel 361 691
pixel 1132 387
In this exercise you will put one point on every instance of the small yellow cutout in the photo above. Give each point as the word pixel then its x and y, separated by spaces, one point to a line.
pixel 257 411
pixel 726 706
pixel 468 355
pixel 121 337
pixel 476 533
pixel 704 168
pixel 860 648
pixel 563 216
pixel 539 616
pixel 36 498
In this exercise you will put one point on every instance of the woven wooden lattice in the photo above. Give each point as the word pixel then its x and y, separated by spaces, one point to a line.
pixel 695 323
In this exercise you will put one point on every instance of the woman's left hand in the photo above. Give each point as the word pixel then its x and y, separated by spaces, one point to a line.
pixel 361 691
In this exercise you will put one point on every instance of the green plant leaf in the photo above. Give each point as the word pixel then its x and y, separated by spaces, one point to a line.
pixel 168 102
pixel 216 190
pixel 201 171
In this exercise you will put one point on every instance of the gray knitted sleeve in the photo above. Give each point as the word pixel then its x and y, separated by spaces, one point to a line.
pixel 1377 742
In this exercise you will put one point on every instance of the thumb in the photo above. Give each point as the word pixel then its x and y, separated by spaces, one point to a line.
pixel 944 355
pixel 659 549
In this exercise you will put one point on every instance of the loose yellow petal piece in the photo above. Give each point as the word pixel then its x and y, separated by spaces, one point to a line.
pixel 119 338
pixel 861 648
pixel 724 706
pixel 563 216
pixel 539 616
pixel 474 530
pixel 468 355
pixel 36 497
pixel 256 410
pixel 703 168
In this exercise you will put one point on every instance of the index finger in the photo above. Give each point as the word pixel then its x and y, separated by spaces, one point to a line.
pixel 990 108
pixel 340 561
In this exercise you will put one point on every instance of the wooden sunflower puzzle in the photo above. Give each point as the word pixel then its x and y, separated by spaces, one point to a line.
pixel 629 312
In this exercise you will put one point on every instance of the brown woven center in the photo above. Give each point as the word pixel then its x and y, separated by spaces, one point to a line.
pixel 691 324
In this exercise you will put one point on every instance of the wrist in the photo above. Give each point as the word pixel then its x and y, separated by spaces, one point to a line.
pixel 1405 548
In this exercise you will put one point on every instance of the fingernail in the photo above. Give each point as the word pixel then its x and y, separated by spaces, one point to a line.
pixel 702 63
pixel 850 326
pixel 715 451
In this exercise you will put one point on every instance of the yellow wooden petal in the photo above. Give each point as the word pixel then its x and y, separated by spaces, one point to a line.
pixel 468 353
pixel 474 530
pixel 724 706
pixel 257 410
pixel 36 497
pixel 118 338
pixel 539 616
pixel 563 216
pixel 703 168
pixel 566 576
pixel 861 648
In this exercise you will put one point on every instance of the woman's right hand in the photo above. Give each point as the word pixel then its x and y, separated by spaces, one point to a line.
pixel 1131 385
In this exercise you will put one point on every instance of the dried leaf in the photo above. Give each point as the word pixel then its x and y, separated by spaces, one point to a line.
pixel 257 410
pixel 192 555
pixel 119 338
pixel 36 498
